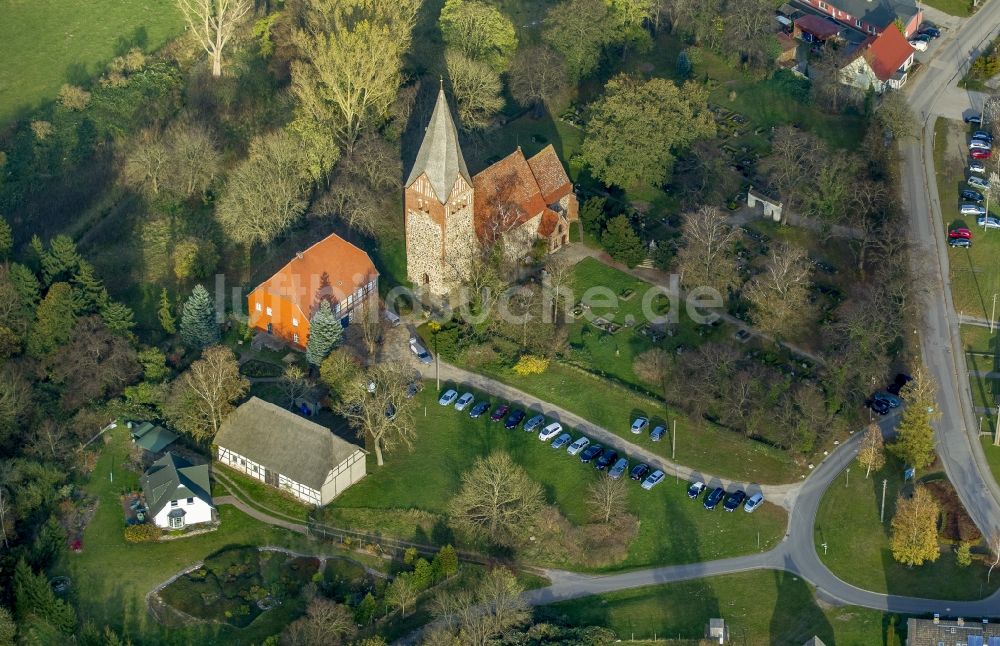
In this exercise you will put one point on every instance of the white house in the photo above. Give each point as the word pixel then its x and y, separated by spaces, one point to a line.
pixel 177 493
pixel 881 62
pixel 287 451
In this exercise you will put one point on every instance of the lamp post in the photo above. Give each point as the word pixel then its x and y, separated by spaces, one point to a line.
pixel 435 327
pixel 993 312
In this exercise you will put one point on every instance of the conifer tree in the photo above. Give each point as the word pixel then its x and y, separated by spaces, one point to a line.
pixel 914 435
pixel 54 321
pixel 198 325
pixel 26 284
pixel 6 238
pixel 34 602
pixel 60 260
pixel 89 295
pixel 118 317
pixel 325 334
pixel 166 313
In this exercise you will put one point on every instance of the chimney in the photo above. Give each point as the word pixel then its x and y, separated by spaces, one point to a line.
pixel 985 621
pixel 960 622
pixel 937 618
pixel 298 254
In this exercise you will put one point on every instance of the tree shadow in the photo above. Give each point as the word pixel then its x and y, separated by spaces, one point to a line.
pixel 797 617
pixel 138 38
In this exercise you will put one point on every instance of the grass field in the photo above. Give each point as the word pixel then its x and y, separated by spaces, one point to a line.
pixel 267 499
pixel 759 608
pixel 672 529
pixel 858 544
pixel 952 7
pixel 45 43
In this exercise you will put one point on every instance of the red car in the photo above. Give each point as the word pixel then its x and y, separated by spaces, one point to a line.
pixel 976 153
pixel 500 413
pixel 960 233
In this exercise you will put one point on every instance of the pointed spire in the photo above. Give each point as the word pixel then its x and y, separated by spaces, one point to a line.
pixel 440 156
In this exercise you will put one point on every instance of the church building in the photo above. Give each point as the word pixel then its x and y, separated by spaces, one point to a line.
pixel 450 215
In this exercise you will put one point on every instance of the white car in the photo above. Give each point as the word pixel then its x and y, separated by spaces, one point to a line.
pixel 753 502
pixel 639 425
pixel 971 209
pixel 977 167
pixel 978 182
pixel 562 441
pixel 918 45
pixel 652 480
pixel 989 222
pixel 448 398
pixel 464 401
pixel 550 431
pixel 580 444
pixel 419 351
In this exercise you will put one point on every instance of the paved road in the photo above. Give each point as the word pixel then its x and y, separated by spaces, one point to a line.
pixel 929 93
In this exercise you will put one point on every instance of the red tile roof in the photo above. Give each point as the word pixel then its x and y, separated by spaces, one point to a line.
pixel 346 266
pixel 886 52
pixel 552 180
pixel 817 26
pixel 548 224
pixel 507 196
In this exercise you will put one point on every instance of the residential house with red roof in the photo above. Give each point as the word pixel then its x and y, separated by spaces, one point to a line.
pixel 333 269
pixel 881 62
pixel 871 16
pixel 449 214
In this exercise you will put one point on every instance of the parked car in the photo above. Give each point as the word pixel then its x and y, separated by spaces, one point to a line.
pixel 734 500
pixel 971 209
pixel 972 196
pixel 464 401
pixel 639 425
pixel 591 452
pixel 753 502
pixel 988 222
pixel 500 412
pixel 977 167
pixel 973 118
pixel 695 490
pixel 619 469
pixel 980 144
pixel 921 37
pixel 513 419
pixel 534 423
pixel 479 410
pixel 961 243
pixel 919 45
pixel 713 499
pixel 652 480
pixel 979 153
pixel 982 134
pixel 960 232
pixel 413 389
pixel 562 441
pixel 606 459
pixel 580 444
pixel 550 431
pixel 657 433
pixel 420 351
pixel 448 398
pixel 978 182
pixel 889 398
pixel 932 32
pixel 639 471
pixel 880 406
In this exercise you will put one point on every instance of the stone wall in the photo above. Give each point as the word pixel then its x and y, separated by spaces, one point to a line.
pixel 424 247
pixel 518 243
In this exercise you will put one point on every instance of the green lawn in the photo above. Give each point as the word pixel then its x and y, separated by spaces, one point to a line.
pixel 265 498
pixel 46 43
pixel 960 8
pixel 976 338
pixel 992 455
pixel 759 608
pixel 858 544
pixel 409 496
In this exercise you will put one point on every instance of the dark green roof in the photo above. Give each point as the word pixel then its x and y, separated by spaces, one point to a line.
pixel 174 478
pixel 153 438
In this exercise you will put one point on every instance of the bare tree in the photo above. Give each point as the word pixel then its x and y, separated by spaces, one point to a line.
pixel 607 498
pixel 401 593
pixel 538 78
pixel 780 294
pixel 375 161
pixel 475 617
pixel 870 201
pixel 376 406
pixel 871 454
pixel 792 163
pixel 203 396
pixel 497 499
pixel 294 383
pixel 558 273
pixel 476 87
pixel 708 257
pixel 326 623
pixel 146 164
pixel 213 23
pixel 371 323
pixel 194 158
pixel 352 202
pixel 994 547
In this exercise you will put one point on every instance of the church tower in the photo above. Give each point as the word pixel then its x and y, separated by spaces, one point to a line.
pixel 438 209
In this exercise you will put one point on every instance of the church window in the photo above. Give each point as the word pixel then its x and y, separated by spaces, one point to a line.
pixel 295 322
pixel 257 306
pixel 269 311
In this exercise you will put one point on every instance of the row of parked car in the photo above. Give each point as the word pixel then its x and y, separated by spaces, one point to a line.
pixel 603 459
pixel 980 148
pixel 928 32
pixel 882 402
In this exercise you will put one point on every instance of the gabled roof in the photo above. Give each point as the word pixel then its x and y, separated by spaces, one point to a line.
pixel 507 196
pixel 282 441
pixel 346 266
pixel 440 157
pixel 818 26
pixel 153 438
pixel 886 52
pixel 174 478
pixel 880 13
pixel 553 182
pixel 548 224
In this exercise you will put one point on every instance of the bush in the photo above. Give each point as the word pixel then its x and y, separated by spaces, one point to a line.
pixel 145 533
pixel 531 365
pixel 73 97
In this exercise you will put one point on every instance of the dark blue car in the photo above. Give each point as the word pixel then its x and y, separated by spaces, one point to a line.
pixel 479 409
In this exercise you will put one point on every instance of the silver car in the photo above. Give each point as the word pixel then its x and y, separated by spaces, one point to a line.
pixel 753 502
pixel 562 441
pixel 978 182
pixel 580 444
pixel 550 431
pixel 621 466
pixel 657 434
pixel 977 167
pixel 464 401
pixel 971 209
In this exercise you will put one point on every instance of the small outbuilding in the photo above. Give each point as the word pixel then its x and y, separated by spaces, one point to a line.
pixel 178 494
pixel 287 451
pixel 152 438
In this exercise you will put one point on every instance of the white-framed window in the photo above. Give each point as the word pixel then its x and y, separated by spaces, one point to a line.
pixel 823 6
pixel 269 311
pixel 190 501
pixel 295 338
pixel 173 503
pixel 350 300
pixel 336 307
pixel 255 468
pixel 257 306
pixel 176 522
pixel 295 322
pixel 857 23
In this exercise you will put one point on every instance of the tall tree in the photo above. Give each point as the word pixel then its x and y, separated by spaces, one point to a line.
pixel 637 127
pixel 913 539
pixel 294 383
pixel 350 64
pixel 325 334
pixel 326 623
pixel 54 321
pixel 338 371
pixel 478 30
pixel 372 324
pixel 914 435
pixel 476 87
pixel 199 326
pixel 401 593
pixel 538 78
pixel 265 193
pixel 607 498
pixel 6 238
pixel 708 257
pixel 203 396
pixel 36 605
pixel 118 317
pixel 871 454
pixel 96 365
pixel 60 261
pixel 88 290
pixel 213 24
pixel 780 294
pixel 496 501
pixel 165 313
pixel 476 616
pixel 193 158
pixel 621 241
pixel 577 30
pixel 377 408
